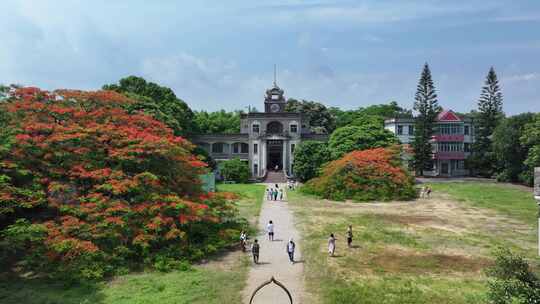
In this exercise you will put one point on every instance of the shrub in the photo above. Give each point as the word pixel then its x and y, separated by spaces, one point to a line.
pixel 235 170
pixel 351 138
pixel 374 174
pixel 309 157
pixel 102 189
pixel 512 281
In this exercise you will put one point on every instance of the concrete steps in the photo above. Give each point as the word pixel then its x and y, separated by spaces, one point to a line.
pixel 273 177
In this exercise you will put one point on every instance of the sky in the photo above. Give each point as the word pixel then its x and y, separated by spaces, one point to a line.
pixel 221 54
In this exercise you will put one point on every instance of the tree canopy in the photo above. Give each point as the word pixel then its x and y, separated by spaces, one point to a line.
pixel 427 107
pixel 88 188
pixel 367 136
pixel 378 112
pixel 320 118
pixel 373 174
pixel 489 115
pixel 509 152
pixel 309 156
pixel 220 122
pixel 159 101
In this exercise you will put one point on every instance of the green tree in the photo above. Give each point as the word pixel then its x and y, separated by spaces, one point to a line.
pixel 427 106
pixel 380 112
pixel 511 280
pixel 531 139
pixel 321 120
pixel 367 136
pixel 309 157
pixel 488 117
pixel 235 170
pixel 509 151
pixel 158 101
pixel 220 122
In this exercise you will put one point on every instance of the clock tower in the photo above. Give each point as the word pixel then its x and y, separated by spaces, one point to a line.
pixel 274 101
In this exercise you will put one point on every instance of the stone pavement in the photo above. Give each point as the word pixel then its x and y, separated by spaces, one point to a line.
pixel 273 258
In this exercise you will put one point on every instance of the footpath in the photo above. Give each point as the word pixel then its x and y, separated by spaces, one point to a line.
pixel 273 258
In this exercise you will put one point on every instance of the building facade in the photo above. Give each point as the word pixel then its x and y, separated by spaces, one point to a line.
pixel 452 142
pixel 266 140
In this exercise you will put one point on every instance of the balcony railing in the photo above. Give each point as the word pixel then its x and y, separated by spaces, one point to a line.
pixel 285 134
pixel 449 155
pixel 448 137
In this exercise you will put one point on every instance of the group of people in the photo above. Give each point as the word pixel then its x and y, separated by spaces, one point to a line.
pixel 291 246
pixel 256 247
pixel 274 194
pixel 292 184
pixel 425 192
pixel 332 241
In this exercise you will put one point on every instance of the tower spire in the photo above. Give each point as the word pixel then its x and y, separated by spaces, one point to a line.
pixel 275 77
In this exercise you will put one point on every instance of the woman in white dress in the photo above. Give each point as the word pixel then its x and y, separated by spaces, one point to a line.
pixel 331 245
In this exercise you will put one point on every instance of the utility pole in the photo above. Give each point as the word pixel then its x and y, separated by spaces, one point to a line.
pixel 537 198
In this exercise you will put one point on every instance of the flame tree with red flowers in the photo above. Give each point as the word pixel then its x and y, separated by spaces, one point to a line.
pixel 88 188
pixel 364 175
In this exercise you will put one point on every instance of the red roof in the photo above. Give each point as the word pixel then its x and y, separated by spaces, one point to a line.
pixel 448 115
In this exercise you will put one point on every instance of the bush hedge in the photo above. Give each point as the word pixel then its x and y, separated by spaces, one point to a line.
pixel 374 174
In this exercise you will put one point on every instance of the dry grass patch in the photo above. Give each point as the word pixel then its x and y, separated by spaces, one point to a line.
pixel 427 251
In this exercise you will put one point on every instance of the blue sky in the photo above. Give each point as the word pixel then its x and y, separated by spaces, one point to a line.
pixel 220 54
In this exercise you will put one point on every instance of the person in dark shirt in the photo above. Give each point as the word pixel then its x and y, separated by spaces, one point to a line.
pixel 255 251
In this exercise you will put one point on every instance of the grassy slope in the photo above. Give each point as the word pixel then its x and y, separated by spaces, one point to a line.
pixel 251 198
pixel 201 285
pixel 507 199
pixel 400 258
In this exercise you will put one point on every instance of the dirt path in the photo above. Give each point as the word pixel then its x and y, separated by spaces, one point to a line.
pixel 273 261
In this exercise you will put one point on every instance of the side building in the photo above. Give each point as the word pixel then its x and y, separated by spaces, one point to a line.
pixel 266 140
pixel 452 142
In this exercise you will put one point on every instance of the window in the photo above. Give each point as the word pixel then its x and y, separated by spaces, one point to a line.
pixel 274 127
pixel 400 130
pixel 217 148
pixel 255 128
pixel 467 147
pixel 292 148
pixel 255 149
pixel 411 130
pixel 294 128
pixel 244 148
pixel 236 148
pixel 466 131
pixel 255 169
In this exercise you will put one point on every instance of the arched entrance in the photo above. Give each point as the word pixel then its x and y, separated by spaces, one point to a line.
pixel 274 154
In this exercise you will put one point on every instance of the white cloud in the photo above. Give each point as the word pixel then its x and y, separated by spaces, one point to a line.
pixel 521 77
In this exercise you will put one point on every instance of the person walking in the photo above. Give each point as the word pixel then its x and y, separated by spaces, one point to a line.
pixel 255 251
pixel 243 240
pixel 428 191
pixel 331 245
pixel 276 194
pixel 270 230
pixel 280 194
pixel 349 236
pixel 290 250
pixel 268 193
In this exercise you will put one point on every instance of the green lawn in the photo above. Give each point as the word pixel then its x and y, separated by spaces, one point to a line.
pixel 509 200
pixel 428 251
pixel 199 285
pixel 251 198
pixel 218 282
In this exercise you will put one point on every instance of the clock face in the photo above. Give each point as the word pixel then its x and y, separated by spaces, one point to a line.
pixel 274 108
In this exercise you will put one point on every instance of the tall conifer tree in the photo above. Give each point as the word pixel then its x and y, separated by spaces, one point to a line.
pixel 489 116
pixel 427 106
